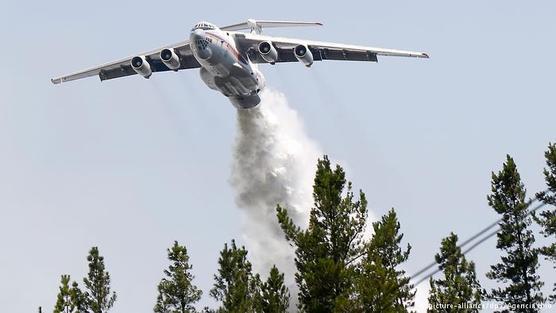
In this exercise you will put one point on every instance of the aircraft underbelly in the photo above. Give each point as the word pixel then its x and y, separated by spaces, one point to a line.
pixel 226 75
pixel 221 70
pixel 234 86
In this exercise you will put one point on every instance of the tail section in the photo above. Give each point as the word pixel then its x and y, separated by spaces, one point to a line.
pixel 256 26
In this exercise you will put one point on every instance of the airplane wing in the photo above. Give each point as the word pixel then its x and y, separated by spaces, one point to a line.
pixel 123 67
pixel 320 50
pixel 258 25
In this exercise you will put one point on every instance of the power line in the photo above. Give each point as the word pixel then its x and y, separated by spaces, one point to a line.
pixel 484 230
pixel 469 240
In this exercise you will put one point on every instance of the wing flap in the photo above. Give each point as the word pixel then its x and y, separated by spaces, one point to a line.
pixel 347 55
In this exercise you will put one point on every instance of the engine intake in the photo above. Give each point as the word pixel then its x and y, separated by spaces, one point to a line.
pixel 303 54
pixel 170 59
pixel 268 52
pixel 141 66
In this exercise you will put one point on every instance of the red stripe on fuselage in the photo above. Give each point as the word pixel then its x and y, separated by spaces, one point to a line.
pixel 228 47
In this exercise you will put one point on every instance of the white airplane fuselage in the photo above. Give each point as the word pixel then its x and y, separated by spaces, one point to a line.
pixel 225 69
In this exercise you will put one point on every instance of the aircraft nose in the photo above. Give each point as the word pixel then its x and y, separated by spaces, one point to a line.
pixel 200 44
pixel 197 34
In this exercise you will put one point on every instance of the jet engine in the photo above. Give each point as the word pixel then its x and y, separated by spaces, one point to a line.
pixel 303 54
pixel 141 66
pixel 268 52
pixel 170 59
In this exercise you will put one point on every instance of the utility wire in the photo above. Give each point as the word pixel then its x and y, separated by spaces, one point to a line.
pixel 460 246
pixel 476 244
pixel 464 252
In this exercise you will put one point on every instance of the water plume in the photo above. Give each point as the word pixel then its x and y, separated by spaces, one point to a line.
pixel 274 163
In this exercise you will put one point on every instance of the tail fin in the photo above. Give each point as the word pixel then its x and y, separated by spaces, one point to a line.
pixel 257 26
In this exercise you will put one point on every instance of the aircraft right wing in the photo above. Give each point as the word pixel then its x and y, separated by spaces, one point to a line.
pixel 320 50
pixel 122 67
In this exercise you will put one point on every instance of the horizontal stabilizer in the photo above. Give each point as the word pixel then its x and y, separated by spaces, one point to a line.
pixel 256 26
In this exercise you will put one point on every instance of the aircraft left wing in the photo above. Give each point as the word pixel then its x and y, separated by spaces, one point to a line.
pixel 122 67
pixel 320 50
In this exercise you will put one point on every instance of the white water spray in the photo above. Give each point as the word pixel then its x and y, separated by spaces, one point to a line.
pixel 274 163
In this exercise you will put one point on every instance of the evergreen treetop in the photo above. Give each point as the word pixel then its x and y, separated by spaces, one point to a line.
pixel 98 294
pixel 176 292
pixel 518 266
pixel 326 252
pixel 547 218
pixel 459 290
pixel 235 285
pixel 275 297
pixel 381 285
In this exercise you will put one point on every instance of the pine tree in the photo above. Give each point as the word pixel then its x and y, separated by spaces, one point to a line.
pixel 459 290
pixel 275 297
pixel 518 266
pixel 235 285
pixel 70 300
pixel 64 300
pixel 98 298
pixel 176 292
pixel 381 285
pixel 78 298
pixel 327 251
pixel 547 218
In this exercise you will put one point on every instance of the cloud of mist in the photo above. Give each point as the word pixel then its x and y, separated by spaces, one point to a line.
pixel 274 163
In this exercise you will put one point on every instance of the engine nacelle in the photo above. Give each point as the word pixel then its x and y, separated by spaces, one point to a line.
pixel 303 54
pixel 268 52
pixel 170 59
pixel 141 66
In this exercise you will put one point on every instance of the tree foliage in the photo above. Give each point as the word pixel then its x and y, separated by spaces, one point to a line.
pixel 547 218
pixel 381 285
pixel 176 292
pixel 96 298
pixel 326 251
pixel 235 285
pixel 69 299
pixel 339 271
pixel 275 297
pixel 98 295
pixel 458 291
pixel 518 266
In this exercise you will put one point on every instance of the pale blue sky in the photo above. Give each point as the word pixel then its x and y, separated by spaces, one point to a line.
pixel 131 165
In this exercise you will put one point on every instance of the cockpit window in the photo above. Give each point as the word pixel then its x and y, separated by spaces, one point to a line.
pixel 203 26
pixel 203 43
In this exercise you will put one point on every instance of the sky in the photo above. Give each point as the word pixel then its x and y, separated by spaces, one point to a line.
pixel 131 165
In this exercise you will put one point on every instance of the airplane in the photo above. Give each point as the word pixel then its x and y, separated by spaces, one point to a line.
pixel 228 58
